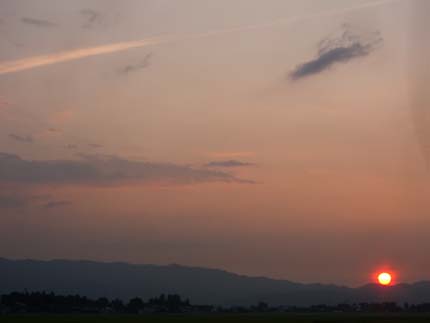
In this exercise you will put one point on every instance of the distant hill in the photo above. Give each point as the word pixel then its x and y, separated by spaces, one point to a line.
pixel 201 285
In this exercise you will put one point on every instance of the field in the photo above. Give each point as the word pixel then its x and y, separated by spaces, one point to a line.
pixel 288 318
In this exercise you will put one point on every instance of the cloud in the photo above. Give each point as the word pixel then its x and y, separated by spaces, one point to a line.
pixel 25 139
pixel 17 199
pixel 38 22
pixel 228 163
pixel 14 198
pixel 146 61
pixel 338 49
pixel 91 17
pixel 71 146
pixel 13 201
pixel 56 204
pixel 104 170
pixel 230 154
pixel 61 57
pixel 4 104
pixel 95 146
pixel 67 56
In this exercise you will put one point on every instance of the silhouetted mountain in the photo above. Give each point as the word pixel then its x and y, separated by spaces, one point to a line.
pixel 201 285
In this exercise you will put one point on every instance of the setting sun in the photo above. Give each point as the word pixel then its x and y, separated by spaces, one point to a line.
pixel 384 279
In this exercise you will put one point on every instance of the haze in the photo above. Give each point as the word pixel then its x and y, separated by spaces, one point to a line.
pixel 274 138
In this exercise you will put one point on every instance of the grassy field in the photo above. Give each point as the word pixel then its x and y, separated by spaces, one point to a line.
pixel 292 318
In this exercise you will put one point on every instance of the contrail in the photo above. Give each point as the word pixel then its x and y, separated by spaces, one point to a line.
pixel 43 60
pixel 61 57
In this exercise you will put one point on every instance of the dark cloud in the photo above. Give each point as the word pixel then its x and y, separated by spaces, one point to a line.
pixel 13 201
pixel 228 163
pixel 95 146
pixel 71 146
pixel 146 61
pixel 103 170
pixel 14 43
pixel 15 198
pixel 91 17
pixel 26 139
pixel 338 49
pixel 54 130
pixel 56 204
pixel 38 22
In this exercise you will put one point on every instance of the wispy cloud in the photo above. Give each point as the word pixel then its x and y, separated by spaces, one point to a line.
pixel 230 154
pixel 4 103
pixel 17 197
pixel 44 60
pixel 338 49
pixel 228 163
pixel 61 57
pixel 57 204
pixel 71 146
pixel 91 17
pixel 104 170
pixel 25 139
pixel 146 61
pixel 38 22
pixel 13 201
pixel 95 146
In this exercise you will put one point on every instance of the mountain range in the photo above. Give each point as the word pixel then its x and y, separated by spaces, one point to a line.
pixel 200 285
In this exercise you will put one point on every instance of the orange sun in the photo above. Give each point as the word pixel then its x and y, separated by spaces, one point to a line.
pixel 384 279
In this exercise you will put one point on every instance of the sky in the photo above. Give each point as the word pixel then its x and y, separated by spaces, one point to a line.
pixel 287 139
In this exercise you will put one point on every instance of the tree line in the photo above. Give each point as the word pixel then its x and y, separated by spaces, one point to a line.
pixel 44 302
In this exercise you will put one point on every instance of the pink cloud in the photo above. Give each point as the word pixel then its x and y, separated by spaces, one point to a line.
pixel 4 104
pixel 231 154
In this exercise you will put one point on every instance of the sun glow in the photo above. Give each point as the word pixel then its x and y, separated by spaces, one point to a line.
pixel 384 279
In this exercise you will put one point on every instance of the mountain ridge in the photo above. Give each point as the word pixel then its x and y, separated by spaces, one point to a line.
pixel 201 285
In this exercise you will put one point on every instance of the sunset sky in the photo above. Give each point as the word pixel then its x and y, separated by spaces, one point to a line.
pixel 288 139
